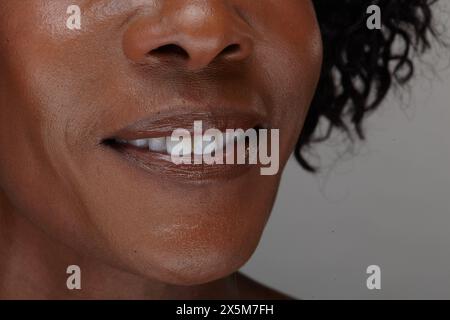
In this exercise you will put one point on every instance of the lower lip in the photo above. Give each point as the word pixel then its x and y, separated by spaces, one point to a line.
pixel 161 164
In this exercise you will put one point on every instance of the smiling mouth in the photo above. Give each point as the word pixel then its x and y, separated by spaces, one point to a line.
pixel 209 145
pixel 148 144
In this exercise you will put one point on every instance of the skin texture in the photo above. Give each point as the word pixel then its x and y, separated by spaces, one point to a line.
pixel 66 198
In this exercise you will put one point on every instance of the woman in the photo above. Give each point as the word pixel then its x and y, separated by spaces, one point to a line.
pixel 75 189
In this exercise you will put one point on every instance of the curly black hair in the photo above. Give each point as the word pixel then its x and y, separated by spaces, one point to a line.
pixel 361 65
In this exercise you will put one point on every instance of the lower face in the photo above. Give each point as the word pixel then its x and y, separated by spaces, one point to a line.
pixel 64 92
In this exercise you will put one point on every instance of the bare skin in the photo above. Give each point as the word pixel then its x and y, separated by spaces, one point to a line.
pixel 141 232
pixel 45 278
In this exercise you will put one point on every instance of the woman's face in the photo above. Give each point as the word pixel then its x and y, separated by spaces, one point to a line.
pixel 133 68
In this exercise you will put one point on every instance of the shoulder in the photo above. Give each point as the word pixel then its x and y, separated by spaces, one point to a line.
pixel 252 289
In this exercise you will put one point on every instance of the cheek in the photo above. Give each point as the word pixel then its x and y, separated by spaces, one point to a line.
pixel 35 93
pixel 28 79
pixel 294 49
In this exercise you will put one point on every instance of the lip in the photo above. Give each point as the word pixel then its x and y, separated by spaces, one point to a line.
pixel 163 124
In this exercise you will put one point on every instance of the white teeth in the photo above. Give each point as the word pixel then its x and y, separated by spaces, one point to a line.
pixel 184 147
pixel 157 144
pixel 201 147
pixel 239 137
pixel 170 144
pixel 230 139
pixel 140 143
pixel 212 144
pixel 198 145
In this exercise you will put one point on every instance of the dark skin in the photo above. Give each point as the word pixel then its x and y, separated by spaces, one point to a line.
pixel 67 198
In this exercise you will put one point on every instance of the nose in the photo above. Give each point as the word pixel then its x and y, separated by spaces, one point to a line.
pixel 195 33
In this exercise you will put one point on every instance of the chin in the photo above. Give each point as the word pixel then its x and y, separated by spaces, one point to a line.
pixel 190 261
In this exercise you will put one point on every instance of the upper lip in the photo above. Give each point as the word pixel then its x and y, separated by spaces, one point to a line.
pixel 163 124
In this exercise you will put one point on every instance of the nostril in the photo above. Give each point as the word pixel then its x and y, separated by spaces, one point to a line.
pixel 231 49
pixel 170 50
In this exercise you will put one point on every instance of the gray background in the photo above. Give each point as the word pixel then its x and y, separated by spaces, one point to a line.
pixel 386 202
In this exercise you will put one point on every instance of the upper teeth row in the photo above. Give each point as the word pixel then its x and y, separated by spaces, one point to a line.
pixel 201 147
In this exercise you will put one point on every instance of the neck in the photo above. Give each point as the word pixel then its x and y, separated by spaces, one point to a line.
pixel 33 266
